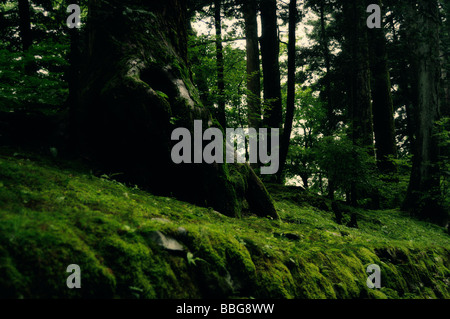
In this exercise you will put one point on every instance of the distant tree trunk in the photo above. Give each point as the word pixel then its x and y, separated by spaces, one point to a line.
pixel 220 64
pixel 26 35
pixel 327 59
pixel 73 79
pixel 253 68
pixel 359 91
pixel 408 84
pixel 445 110
pixel 361 104
pixel 270 49
pixel 383 113
pixel 330 107
pixel 305 178
pixel 290 103
pixel 423 198
pixel 25 24
pixel 445 47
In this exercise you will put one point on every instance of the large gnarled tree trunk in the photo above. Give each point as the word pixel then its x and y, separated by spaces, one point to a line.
pixel 137 90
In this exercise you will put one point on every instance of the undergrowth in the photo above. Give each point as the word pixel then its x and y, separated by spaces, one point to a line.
pixel 52 216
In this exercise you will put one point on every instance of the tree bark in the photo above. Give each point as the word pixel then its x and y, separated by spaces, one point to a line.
pixel 361 103
pixel 382 106
pixel 290 102
pixel 270 49
pixel 423 198
pixel 253 64
pixel 330 127
pixel 136 89
pixel 359 91
pixel 25 24
pixel 326 55
pixel 221 117
pixel 408 82
pixel 73 76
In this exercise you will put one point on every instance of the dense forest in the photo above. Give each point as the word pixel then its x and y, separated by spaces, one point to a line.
pixel 349 100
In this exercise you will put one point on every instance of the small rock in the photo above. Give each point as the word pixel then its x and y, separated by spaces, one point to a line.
pixel 166 242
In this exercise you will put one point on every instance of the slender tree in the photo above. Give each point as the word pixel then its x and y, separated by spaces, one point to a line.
pixel 73 79
pixel 361 105
pixel 25 24
pixel 382 106
pixel 253 63
pixel 290 103
pixel 359 91
pixel 270 49
pixel 327 59
pixel 220 64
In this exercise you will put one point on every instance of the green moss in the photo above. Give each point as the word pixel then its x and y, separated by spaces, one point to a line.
pixel 51 217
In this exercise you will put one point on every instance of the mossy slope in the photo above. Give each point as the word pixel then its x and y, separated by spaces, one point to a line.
pixel 51 217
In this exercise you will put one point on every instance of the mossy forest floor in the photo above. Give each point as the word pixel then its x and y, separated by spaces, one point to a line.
pixel 52 216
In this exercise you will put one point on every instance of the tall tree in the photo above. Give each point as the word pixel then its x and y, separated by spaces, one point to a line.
pixel 25 24
pixel 270 49
pixel 250 10
pixel 423 198
pixel 329 97
pixel 361 105
pixel 359 90
pixel 327 59
pixel 404 66
pixel 73 79
pixel 220 64
pixel 382 106
pixel 445 49
pixel 290 102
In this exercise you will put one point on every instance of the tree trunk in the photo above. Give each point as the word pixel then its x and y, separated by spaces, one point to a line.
pixel 25 24
pixel 362 105
pixel 136 90
pixel 326 55
pixel 330 107
pixel 270 49
pixel 290 103
pixel 423 198
pixel 359 91
pixel 383 113
pixel 73 77
pixel 26 35
pixel 253 67
pixel 220 64
pixel 408 84
pixel 445 47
